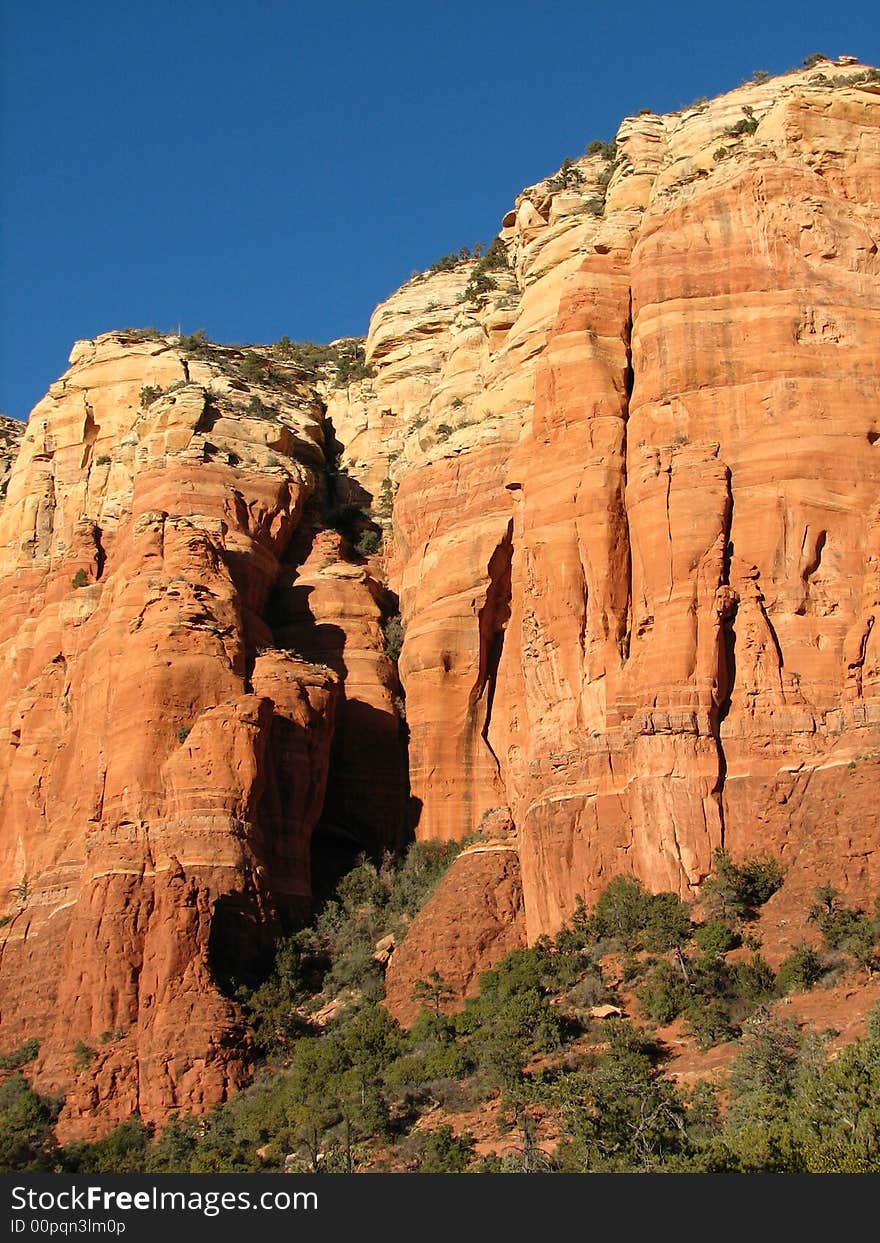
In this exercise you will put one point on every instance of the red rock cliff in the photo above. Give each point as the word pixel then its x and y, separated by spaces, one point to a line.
pixel 631 495
pixel 165 741
pixel 638 561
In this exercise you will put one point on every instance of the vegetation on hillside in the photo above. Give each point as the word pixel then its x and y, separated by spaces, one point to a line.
pixel 543 1060
pixel 341 361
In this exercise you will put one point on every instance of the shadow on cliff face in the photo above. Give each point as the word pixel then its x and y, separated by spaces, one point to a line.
pixel 367 805
pixel 241 943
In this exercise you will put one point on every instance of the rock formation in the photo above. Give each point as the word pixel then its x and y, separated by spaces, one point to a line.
pixel 630 492
pixel 639 576
pixel 11 432
pixel 166 746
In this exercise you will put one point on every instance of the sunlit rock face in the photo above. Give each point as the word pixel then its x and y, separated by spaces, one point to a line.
pixel 635 513
pixel 629 486
pixel 168 717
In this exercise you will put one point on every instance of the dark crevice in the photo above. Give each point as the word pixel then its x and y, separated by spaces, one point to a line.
pixel 726 668
pixel 367 807
pixel 629 374
pixel 492 620
pixel 856 668
pixel 628 385
pixel 100 554
pixel 772 632
pixel 816 560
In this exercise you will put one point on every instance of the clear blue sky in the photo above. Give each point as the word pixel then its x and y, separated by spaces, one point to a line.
pixel 267 168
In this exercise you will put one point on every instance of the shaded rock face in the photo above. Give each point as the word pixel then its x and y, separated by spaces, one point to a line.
pixel 165 749
pixel 11 432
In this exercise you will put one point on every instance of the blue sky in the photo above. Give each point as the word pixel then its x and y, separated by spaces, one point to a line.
pixel 276 168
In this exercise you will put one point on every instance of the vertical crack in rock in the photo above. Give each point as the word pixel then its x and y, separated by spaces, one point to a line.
pixel 726 605
pixel 90 434
pixel 855 668
pixel 628 387
pixel 100 553
pixel 493 618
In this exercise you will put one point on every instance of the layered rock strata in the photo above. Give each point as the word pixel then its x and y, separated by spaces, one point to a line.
pixel 165 745
pixel 635 503
pixel 631 503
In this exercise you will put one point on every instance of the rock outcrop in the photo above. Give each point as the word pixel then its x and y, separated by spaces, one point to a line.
pixel 474 917
pixel 635 503
pixel 165 746
pixel 11 432
pixel 630 493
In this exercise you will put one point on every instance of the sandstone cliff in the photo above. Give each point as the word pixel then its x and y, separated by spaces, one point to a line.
pixel 631 499
pixel 169 714
pixel 638 576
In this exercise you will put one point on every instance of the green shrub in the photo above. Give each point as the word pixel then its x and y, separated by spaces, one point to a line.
pixel 737 890
pixel 443 1152
pixel 394 634
pixel 608 150
pixel 667 926
pixel 664 995
pixel 257 408
pixel 753 980
pixel 768 1057
pixel 80 579
pixel 433 992
pixel 386 498
pixel 443 431
pixel 369 902
pixel 813 59
pixel 846 928
pixel 709 1023
pixel 800 971
pixel 19 1057
pixel 508 1027
pixel 837 1111
pixel 622 911
pixel 149 394
pixel 103 459
pixel 123 1151
pixel 716 939
pixel 196 344
pixel 27 1140
pixel 569 175
pixel 344 360
pixel 368 542
pixel 84 1055
pixel 480 283
pixel 623 1116
pixel 253 368
pixel 747 125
